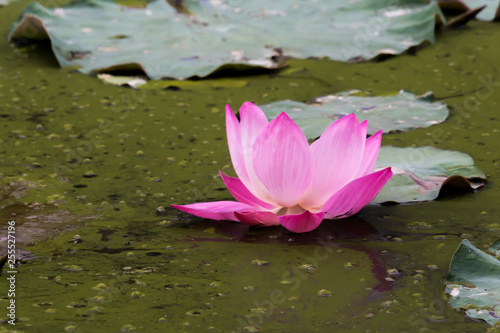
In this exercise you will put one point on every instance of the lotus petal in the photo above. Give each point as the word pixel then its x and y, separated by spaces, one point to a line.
pixel 363 127
pixel 258 218
pixel 241 193
pixel 303 222
pixel 217 210
pixel 234 143
pixel 372 147
pixel 355 195
pixel 336 155
pixel 282 160
pixel 253 121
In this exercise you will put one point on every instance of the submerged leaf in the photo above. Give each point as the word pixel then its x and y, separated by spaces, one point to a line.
pixel 130 81
pixel 199 86
pixel 420 173
pixel 474 283
pixel 388 113
pixel 163 41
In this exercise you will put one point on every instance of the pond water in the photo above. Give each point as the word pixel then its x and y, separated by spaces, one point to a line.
pixel 88 170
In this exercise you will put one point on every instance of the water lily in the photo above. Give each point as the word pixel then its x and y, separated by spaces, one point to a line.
pixel 284 180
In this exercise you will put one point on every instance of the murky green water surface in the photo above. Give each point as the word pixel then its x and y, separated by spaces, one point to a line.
pixel 88 171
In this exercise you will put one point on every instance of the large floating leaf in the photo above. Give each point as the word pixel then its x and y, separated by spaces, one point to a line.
pixel 489 13
pixel 420 173
pixel 388 113
pixel 100 35
pixel 474 283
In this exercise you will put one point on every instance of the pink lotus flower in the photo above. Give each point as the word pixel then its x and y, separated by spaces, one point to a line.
pixel 283 180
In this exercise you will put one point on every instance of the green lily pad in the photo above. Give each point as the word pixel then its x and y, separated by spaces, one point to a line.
pixel 420 173
pixel 489 13
pixel 388 113
pixel 100 35
pixel 495 249
pixel 474 283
